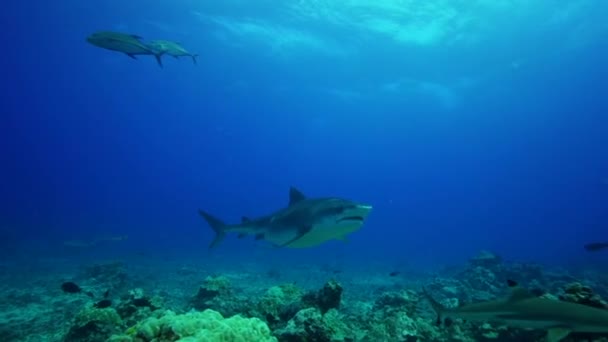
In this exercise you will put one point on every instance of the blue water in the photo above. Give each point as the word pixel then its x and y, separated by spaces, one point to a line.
pixel 468 125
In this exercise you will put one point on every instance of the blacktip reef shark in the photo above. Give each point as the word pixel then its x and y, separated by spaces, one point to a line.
pixel 525 310
pixel 305 222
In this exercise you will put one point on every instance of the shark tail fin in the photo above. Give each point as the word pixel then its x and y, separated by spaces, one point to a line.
pixel 218 227
pixel 194 58
pixel 437 307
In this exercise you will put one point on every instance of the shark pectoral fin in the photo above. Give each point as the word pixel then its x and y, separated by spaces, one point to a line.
pixel 301 232
pixel 343 238
pixel 557 334
pixel 159 60
pixel 132 56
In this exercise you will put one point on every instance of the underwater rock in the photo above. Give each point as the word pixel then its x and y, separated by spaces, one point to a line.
pixel 581 294
pixel 217 294
pixel 279 304
pixel 94 325
pixel 111 274
pixel 486 259
pixel 405 301
pixel 136 306
pixel 211 288
pixel 326 298
pixel 526 274
pixel 310 325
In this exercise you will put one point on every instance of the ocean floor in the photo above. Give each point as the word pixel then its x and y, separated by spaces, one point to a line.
pixel 143 299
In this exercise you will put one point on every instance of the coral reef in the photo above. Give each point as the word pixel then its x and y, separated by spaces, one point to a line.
pixel 581 294
pixel 242 305
pixel 194 326
pixel 92 325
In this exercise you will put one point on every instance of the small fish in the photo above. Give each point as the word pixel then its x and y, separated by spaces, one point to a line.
pixel 394 273
pixel 171 48
pixel 129 44
pixel 102 304
pixel 71 287
pixel 596 246
pixel 305 222
pixel 525 310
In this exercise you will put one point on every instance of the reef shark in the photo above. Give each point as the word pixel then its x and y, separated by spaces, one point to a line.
pixel 129 44
pixel 305 222
pixel 171 48
pixel 525 310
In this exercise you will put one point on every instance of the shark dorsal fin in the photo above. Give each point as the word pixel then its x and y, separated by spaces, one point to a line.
pixel 519 293
pixel 295 196
pixel 245 219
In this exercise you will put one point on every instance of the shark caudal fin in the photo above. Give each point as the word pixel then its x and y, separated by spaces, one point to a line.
pixel 218 227
pixel 437 307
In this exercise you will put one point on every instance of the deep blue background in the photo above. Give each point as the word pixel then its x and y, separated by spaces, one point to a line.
pixel 94 143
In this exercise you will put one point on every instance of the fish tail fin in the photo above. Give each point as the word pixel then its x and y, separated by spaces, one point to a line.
pixel 218 227
pixel 437 307
pixel 194 58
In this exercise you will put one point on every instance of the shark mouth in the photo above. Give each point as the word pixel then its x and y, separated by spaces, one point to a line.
pixel 351 218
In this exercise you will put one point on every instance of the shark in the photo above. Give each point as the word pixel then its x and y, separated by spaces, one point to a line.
pixel 523 309
pixel 305 222
pixel 596 246
pixel 129 44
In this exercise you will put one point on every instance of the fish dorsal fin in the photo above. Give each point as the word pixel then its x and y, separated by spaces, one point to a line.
pixel 295 196
pixel 245 219
pixel 519 293
pixel 557 334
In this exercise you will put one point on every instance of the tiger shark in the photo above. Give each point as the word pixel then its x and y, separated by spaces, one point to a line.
pixel 525 310
pixel 305 222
